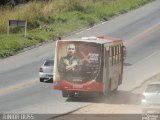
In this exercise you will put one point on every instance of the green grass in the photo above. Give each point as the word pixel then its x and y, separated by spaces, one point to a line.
pixel 47 21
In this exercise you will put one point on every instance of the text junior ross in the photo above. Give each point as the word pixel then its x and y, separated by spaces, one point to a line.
pixel 17 117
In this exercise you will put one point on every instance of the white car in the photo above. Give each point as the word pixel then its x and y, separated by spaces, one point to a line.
pixel 151 100
pixel 46 71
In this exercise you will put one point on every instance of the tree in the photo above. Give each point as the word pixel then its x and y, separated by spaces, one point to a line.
pixel 8 2
pixel 15 2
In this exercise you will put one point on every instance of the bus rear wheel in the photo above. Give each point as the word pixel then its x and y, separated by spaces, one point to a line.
pixel 107 89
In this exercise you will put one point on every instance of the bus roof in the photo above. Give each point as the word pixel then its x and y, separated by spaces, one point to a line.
pixel 98 39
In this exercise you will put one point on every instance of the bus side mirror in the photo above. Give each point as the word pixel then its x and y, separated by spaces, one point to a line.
pixel 124 52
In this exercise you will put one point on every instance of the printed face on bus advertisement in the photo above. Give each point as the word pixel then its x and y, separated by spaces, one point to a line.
pixel 70 49
pixel 77 61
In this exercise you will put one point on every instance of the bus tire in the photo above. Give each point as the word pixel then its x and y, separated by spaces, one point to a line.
pixel 64 93
pixel 119 80
pixel 107 90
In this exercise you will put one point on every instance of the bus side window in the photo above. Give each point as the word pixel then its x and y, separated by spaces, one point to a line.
pixel 124 52
pixel 119 53
pixel 107 56
pixel 112 48
pixel 110 56
pixel 114 55
pixel 119 49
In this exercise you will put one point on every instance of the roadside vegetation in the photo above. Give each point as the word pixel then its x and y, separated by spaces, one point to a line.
pixel 49 20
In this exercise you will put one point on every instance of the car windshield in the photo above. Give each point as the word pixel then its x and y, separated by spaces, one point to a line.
pixel 49 63
pixel 153 88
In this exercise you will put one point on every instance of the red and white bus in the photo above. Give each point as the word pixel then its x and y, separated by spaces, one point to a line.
pixel 88 64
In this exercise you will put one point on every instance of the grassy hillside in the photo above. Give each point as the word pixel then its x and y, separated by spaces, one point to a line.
pixel 47 21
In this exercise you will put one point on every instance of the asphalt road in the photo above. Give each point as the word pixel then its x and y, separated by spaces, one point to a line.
pixel 40 98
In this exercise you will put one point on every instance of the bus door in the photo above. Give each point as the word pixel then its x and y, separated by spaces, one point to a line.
pixel 106 82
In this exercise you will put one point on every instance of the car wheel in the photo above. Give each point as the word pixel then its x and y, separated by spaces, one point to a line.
pixel 41 79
